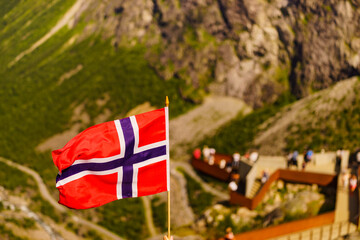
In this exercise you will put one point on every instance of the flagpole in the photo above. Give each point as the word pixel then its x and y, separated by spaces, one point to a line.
pixel 168 192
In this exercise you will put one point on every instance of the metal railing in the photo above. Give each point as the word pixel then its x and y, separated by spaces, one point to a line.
pixel 326 232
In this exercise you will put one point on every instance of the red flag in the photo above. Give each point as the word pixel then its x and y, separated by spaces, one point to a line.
pixel 113 160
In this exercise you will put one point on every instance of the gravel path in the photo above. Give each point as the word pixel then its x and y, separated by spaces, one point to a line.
pixel 190 170
pixel 181 212
pixel 148 215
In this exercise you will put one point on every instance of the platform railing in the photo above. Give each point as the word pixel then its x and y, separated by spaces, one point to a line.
pixel 326 232
pixel 286 175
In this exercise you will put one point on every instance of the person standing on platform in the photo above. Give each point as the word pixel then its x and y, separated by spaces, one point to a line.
pixel 353 183
pixel 294 160
pixel 197 153
pixel 339 154
pixel 345 179
pixel 308 156
pixel 206 153
pixel 234 181
pixel 254 157
pixel 289 159
pixel 265 176
pixel 236 162
pixel 229 234
pixel 212 156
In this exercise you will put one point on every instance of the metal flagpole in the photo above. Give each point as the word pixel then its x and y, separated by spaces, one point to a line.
pixel 168 192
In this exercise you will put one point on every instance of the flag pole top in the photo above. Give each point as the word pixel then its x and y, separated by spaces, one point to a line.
pixel 167 101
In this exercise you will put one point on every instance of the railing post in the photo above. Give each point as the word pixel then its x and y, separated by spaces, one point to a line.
pixel 340 229
pixel 311 234
pixel 330 231
pixel 321 232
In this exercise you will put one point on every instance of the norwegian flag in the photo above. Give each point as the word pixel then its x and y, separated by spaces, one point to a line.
pixel 114 160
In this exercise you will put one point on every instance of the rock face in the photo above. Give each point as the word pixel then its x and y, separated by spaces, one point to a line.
pixel 250 49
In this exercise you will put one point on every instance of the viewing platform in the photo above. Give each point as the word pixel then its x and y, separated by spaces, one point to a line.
pixel 213 170
pixel 322 170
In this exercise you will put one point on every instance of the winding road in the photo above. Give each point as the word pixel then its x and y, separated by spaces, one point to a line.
pixel 189 170
pixel 147 205
pixel 47 196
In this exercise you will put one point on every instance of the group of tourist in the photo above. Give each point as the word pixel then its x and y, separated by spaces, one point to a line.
pixel 207 154
pixel 348 176
pixel 252 157
pixel 292 158
pixel 233 168
pixel 348 180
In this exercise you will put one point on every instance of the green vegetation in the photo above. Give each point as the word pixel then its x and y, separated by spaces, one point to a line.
pixel 305 20
pixel 198 39
pixel 327 8
pixel 285 209
pixel 199 199
pixel 20 182
pixel 282 76
pixel 25 23
pixel 228 218
pixel 92 234
pixel 125 217
pixel 239 133
pixel 159 214
pixel 212 181
pixel 26 223
pixel 72 227
pixel 6 233
pixel 24 184
pixel 40 205
pixel 35 105
pixel 337 130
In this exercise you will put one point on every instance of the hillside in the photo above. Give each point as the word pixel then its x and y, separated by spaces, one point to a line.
pixel 41 90
pixel 68 64
pixel 328 120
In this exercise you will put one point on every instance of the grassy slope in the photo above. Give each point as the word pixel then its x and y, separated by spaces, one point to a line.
pixel 340 128
pixel 328 120
pixel 238 135
pixel 34 107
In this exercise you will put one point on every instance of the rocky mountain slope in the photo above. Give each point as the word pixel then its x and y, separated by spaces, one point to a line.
pixel 253 50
